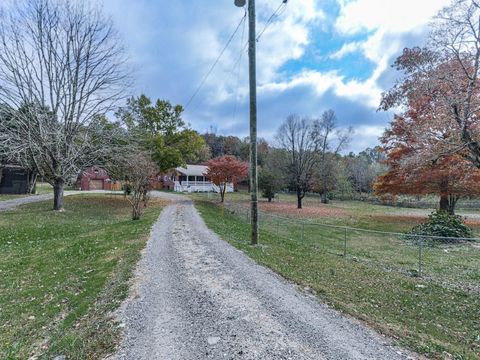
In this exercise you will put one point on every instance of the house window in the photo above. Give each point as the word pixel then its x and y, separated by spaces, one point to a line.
pixel 182 178
pixel 191 178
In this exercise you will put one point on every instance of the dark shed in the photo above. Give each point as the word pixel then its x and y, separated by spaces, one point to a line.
pixel 15 180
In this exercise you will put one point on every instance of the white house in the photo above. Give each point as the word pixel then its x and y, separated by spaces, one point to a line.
pixel 192 179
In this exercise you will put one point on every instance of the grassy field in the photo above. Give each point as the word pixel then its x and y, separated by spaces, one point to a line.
pixel 63 273
pixel 357 214
pixel 430 315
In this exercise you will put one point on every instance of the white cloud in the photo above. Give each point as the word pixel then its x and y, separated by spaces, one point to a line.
pixel 386 22
pixel 347 48
pixel 369 130
pixel 174 43
pixel 364 92
pixel 388 15
pixel 285 39
pixel 365 136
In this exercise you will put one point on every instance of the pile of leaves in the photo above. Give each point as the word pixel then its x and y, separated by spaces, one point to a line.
pixel 448 227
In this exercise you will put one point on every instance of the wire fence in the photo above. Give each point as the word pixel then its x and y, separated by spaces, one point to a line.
pixel 456 265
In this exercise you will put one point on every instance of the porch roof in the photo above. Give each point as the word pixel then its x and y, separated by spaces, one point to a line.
pixel 192 170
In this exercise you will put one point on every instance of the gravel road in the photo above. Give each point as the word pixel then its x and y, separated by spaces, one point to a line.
pixel 196 297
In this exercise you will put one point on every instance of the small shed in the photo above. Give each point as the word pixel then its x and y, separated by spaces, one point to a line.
pixel 16 180
pixel 94 178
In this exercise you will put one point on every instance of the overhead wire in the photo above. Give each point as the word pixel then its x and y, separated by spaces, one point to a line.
pixel 236 65
pixel 273 16
pixel 209 72
pixel 280 10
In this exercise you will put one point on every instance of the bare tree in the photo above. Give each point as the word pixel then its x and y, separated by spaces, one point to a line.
pixel 61 66
pixel 301 139
pixel 137 169
pixel 332 141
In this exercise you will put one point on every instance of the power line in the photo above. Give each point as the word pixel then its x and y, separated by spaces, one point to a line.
pixel 275 14
pixel 238 71
pixel 216 61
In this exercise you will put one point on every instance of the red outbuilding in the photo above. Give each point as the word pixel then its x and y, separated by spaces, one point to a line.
pixel 94 178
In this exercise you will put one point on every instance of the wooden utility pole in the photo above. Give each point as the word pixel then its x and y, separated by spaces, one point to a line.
pixel 253 121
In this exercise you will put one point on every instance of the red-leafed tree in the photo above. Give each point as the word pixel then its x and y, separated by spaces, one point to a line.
pixel 441 84
pixel 226 169
pixel 433 146
pixel 415 169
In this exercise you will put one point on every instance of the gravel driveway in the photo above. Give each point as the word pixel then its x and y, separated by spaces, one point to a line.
pixel 197 297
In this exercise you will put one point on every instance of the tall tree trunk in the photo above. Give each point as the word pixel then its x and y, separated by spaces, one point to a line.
pixel 58 194
pixel 444 203
pixel 222 192
pixel 32 182
pixel 324 197
pixel 145 198
pixel 452 202
pixel 136 211
pixel 324 190
pixel 299 198
pixel 136 202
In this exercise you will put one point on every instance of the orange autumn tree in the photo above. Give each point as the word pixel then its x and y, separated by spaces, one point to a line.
pixel 226 169
pixel 415 164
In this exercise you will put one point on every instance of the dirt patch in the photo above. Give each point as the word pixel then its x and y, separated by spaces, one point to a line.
pixel 308 211
pixel 472 221
pixel 400 219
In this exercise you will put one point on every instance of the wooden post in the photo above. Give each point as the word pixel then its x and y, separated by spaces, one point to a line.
pixel 420 255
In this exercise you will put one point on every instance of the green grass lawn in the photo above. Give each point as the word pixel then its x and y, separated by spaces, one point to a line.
pixel 428 314
pixel 4 197
pixel 43 188
pixel 61 275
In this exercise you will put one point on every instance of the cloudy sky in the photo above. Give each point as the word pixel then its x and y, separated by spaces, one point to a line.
pixel 315 55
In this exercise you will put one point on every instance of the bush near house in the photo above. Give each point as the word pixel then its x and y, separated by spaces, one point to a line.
pixel 448 227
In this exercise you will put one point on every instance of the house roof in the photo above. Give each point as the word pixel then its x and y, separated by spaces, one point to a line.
pixel 193 170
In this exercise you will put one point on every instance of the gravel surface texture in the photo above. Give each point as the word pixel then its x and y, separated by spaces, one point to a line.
pixel 196 297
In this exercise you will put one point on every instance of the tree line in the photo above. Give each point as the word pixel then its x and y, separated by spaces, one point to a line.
pixel 64 72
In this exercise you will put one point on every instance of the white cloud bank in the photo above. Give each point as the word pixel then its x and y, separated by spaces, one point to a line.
pixel 175 43
pixel 395 16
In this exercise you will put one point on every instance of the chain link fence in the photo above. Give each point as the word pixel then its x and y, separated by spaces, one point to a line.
pixel 456 266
